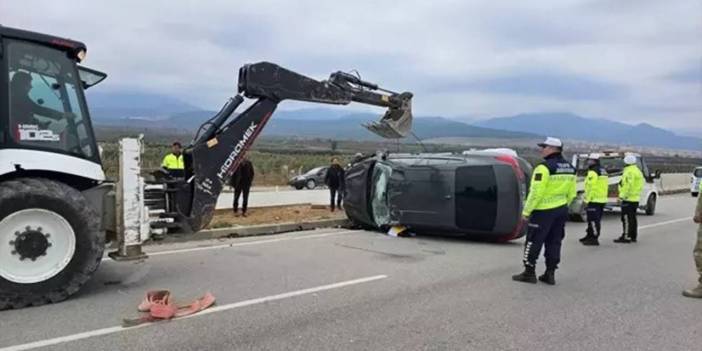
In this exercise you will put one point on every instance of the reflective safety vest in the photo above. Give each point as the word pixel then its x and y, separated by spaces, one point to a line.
pixel 631 184
pixel 172 161
pixel 596 186
pixel 552 185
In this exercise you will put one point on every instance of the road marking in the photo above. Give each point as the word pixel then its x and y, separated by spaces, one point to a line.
pixel 222 308
pixel 664 223
pixel 247 243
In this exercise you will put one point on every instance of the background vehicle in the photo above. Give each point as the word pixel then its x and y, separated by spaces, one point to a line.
pixel 56 207
pixel 695 180
pixel 310 180
pixel 613 162
pixel 479 193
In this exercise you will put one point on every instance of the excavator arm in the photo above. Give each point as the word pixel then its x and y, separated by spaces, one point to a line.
pixel 222 141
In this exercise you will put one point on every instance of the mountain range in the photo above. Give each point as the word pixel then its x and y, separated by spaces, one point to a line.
pixel 135 110
pixel 571 126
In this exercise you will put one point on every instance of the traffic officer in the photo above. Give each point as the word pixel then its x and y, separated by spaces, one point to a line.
pixel 630 187
pixel 697 252
pixel 551 191
pixel 595 197
pixel 173 163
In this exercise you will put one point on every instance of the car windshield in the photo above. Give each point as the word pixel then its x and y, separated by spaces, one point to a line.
pixel 47 108
pixel 379 194
pixel 314 171
pixel 612 165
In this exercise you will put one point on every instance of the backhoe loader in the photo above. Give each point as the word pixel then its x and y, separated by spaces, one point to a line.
pixel 57 209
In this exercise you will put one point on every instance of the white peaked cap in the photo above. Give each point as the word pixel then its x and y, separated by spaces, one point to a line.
pixel 550 141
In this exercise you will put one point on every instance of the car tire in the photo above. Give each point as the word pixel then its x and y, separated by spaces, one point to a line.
pixel 72 229
pixel 695 194
pixel 310 184
pixel 651 205
pixel 580 216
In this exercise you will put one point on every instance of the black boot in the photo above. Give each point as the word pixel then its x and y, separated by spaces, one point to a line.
pixel 591 241
pixel 622 240
pixel 585 238
pixel 549 277
pixel 528 276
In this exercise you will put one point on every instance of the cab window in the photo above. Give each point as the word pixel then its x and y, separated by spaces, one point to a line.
pixel 46 107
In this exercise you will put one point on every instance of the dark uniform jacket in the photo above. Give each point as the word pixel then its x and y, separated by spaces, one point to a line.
pixel 244 175
pixel 335 177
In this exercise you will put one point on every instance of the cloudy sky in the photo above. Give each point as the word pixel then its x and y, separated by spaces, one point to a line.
pixel 629 60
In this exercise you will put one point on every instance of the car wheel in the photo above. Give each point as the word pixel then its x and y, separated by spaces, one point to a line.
pixel 581 215
pixel 311 184
pixel 695 194
pixel 651 205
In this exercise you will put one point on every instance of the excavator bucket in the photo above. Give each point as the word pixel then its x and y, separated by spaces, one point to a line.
pixel 396 123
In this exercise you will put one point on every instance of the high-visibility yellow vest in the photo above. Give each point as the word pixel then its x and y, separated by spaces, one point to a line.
pixel 172 161
pixel 552 185
pixel 631 184
pixel 596 186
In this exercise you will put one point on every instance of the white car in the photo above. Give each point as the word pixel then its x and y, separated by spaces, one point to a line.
pixel 613 162
pixel 696 179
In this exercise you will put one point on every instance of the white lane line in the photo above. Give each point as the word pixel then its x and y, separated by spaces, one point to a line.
pixel 247 243
pixel 664 223
pixel 222 308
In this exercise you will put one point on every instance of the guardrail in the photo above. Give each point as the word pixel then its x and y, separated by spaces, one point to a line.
pixel 675 182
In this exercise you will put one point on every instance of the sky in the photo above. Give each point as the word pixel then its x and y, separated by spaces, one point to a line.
pixel 627 60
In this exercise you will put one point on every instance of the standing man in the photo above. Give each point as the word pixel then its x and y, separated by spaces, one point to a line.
pixel 335 181
pixel 551 191
pixel 241 181
pixel 173 163
pixel 596 189
pixel 630 187
pixel 697 252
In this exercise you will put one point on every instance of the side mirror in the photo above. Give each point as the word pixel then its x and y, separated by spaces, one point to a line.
pixel 656 174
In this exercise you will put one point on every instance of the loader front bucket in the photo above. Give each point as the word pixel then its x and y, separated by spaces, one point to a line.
pixel 396 123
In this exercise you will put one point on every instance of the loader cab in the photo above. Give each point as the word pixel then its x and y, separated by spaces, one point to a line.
pixel 42 101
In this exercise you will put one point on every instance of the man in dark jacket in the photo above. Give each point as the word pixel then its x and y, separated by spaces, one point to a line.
pixel 241 182
pixel 335 181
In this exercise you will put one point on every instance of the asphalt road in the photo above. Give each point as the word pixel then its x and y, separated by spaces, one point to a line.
pixel 338 290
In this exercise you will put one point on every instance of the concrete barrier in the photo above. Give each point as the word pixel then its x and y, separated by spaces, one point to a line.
pixel 675 182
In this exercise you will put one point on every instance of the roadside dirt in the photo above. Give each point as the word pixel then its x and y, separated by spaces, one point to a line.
pixel 273 215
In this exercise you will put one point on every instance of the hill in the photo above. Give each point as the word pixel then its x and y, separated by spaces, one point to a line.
pixel 571 126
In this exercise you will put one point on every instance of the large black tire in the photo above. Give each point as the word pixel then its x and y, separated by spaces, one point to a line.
pixel 69 203
pixel 651 205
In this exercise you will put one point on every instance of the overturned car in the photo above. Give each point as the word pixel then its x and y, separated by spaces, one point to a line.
pixel 478 193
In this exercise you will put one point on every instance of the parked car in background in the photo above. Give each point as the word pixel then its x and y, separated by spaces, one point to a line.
pixel 696 181
pixel 478 193
pixel 613 163
pixel 310 180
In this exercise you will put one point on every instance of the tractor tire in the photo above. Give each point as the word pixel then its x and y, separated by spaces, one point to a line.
pixel 50 242
pixel 651 205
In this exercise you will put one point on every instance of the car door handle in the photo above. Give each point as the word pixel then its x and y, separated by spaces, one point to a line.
pixel 448 197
